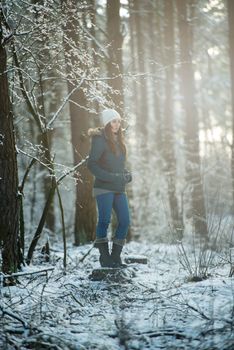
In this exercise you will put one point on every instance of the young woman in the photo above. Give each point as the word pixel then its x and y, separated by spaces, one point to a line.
pixel 107 163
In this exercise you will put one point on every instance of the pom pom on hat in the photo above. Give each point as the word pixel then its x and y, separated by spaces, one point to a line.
pixel 108 115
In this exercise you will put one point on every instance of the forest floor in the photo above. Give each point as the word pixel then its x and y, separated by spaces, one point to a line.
pixel 153 306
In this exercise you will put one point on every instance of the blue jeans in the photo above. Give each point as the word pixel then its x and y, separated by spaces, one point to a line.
pixel 105 203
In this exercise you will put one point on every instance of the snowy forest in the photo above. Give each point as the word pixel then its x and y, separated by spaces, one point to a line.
pixel 167 67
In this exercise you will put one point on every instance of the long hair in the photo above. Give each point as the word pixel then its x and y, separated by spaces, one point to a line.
pixel 111 140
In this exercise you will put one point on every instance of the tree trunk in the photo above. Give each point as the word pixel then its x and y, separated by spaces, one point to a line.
pixel 132 25
pixel 9 208
pixel 168 132
pixel 115 67
pixel 85 215
pixel 155 21
pixel 94 48
pixel 45 137
pixel 142 116
pixel 115 64
pixel 231 48
pixel 191 131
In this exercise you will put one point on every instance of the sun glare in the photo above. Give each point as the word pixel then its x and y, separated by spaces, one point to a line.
pixel 213 51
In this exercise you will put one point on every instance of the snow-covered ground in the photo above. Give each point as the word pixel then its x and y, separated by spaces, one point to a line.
pixel 151 306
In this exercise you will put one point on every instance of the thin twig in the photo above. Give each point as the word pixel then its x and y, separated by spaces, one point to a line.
pixel 64 102
pixel 21 187
pixel 12 315
pixel 63 229
pixel 49 199
pixel 83 257
pixel 20 274
pixel 35 158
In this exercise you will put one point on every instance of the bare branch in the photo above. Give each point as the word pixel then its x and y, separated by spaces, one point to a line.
pixel 12 315
pixel 64 102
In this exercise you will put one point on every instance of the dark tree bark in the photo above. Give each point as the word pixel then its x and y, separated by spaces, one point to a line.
pixel 45 138
pixel 9 208
pixel 115 66
pixel 114 63
pixel 231 48
pixel 191 130
pixel 168 132
pixel 85 215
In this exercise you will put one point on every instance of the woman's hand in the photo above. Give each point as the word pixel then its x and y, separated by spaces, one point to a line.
pixel 122 178
pixel 127 176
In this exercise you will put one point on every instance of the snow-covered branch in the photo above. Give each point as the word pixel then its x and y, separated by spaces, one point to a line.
pixel 66 99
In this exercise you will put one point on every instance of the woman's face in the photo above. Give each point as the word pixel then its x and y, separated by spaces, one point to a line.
pixel 115 125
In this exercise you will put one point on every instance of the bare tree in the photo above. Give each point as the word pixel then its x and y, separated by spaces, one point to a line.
pixel 115 63
pixel 231 48
pixel 191 129
pixel 168 132
pixel 45 138
pixel 133 53
pixel 74 49
pixel 9 208
pixel 155 21
pixel 142 115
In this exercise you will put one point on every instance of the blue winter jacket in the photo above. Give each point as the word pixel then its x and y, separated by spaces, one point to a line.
pixel 107 167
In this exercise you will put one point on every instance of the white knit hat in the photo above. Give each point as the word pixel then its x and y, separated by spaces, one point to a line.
pixel 108 115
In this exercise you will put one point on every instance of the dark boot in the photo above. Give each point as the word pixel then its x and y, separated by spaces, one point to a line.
pixel 104 259
pixel 115 256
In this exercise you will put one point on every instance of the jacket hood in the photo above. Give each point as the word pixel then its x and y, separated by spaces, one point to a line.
pixel 95 132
